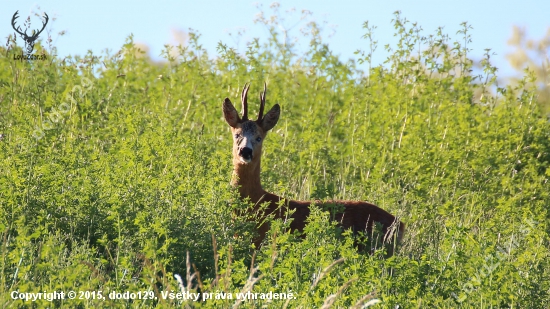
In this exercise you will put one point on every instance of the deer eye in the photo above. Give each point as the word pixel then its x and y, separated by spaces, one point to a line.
pixel 259 139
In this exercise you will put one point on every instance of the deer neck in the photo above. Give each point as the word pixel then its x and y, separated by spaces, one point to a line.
pixel 247 178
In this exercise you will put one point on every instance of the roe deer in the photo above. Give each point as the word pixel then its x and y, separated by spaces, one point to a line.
pixel 248 136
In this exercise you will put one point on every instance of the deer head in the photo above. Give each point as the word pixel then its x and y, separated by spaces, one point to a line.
pixel 29 40
pixel 248 135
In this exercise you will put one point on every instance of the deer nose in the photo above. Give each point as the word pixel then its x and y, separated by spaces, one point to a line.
pixel 246 153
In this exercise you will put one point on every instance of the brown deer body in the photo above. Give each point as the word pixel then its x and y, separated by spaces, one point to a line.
pixel 248 136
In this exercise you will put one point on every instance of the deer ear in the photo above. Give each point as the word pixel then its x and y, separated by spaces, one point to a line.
pixel 230 113
pixel 270 119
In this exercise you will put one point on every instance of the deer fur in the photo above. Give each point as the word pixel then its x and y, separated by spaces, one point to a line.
pixel 248 136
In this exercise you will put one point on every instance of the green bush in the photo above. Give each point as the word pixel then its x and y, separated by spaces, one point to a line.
pixel 113 168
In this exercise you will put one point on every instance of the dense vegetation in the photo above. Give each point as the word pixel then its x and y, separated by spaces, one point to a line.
pixel 114 176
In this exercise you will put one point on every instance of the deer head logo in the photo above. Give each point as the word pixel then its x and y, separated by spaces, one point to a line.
pixel 29 40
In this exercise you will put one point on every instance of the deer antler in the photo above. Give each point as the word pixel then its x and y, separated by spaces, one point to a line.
pixel 262 103
pixel 243 100
pixel 47 18
pixel 35 34
pixel 13 24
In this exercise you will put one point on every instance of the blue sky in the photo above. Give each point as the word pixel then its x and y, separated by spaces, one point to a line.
pixel 101 24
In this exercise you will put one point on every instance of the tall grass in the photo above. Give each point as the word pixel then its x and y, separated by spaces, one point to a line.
pixel 111 191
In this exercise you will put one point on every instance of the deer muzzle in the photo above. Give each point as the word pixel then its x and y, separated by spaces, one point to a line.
pixel 245 154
